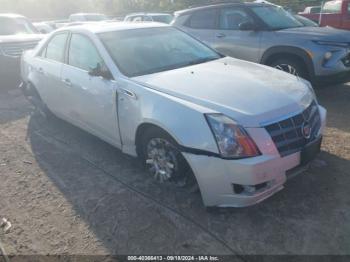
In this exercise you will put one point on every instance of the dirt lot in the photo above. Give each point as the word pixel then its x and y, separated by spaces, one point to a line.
pixel 66 192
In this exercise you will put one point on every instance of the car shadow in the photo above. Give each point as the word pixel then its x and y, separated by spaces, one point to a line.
pixel 300 219
pixel 336 100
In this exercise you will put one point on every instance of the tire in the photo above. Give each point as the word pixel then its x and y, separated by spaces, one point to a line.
pixel 159 153
pixel 32 95
pixel 291 66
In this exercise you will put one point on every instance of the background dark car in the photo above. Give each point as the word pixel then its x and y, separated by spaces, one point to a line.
pixel 17 34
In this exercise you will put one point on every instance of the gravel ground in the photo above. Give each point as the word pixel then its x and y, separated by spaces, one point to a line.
pixel 67 192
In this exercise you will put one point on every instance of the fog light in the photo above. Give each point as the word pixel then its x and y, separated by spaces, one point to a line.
pixel 328 55
pixel 249 189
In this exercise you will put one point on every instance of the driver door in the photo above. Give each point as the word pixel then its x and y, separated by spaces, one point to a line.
pixel 231 41
pixel 91 99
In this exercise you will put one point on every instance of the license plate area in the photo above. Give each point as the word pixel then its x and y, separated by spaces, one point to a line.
pixel 311 151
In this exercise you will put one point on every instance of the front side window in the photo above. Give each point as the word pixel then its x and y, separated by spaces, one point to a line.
pixel 231 18
pixel 56 47
pixel 15 26
pixel 275 17
pixel 83 53
pixel 332 7
pixel 145 51
pixel 205 19
pixel 136 19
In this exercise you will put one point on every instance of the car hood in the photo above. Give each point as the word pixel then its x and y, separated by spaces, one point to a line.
pixel 20 38
pixel 317 33
pixel 251 94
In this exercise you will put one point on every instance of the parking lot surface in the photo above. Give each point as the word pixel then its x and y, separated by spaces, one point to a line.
pixel 67 192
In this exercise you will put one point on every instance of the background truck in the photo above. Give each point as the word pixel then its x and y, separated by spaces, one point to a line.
pixel 335 13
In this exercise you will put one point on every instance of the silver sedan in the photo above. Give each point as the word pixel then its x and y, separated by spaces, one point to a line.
pixel 236 129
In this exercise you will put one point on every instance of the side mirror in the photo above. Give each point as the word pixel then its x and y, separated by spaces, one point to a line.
pixel 99 71
pixel 247 26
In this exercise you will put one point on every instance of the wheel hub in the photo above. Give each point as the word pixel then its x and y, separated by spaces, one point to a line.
pixel 161 159
pixel 287 68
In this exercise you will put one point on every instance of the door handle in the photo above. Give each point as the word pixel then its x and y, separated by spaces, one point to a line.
pixel 220 35
pixel 67 82
pixel 129 93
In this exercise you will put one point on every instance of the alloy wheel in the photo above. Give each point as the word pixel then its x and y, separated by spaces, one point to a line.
pixel 161 159
pixel 287 68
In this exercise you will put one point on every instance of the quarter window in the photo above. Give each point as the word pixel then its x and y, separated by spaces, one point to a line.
pixel 83 53
pixel 205 19
pixel 56 47
pixel 231 18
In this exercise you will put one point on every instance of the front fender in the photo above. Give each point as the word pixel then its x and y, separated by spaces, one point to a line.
pixel 289 50
pixel 183 120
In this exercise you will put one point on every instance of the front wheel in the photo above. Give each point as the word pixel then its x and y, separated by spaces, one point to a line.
pixel 163 160
pixel 291 66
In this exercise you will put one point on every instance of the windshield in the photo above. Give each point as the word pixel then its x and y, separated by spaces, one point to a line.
pixel 163 18
pixel 276 17
pixel 15 26
pixel 145 51
pixel 95 17
pixel 306 21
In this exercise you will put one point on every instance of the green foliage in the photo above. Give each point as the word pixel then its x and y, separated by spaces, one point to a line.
pixel 63 8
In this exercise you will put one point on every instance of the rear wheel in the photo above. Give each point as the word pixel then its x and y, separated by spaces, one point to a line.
pixel 290 65
pixel 163 160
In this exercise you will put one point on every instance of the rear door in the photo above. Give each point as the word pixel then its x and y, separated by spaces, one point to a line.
pixel 91 100
pixel 202 24
pixel 48 69
pixel 232 41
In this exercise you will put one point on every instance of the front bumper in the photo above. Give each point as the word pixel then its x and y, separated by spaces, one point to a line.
pixel 267 174
pixel 336 70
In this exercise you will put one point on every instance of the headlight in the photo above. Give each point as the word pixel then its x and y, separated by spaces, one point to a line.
pixel 311 89
pixel 232 139
pixel 331 43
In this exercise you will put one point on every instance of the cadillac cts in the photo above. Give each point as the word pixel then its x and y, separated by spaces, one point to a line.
pixel 236 129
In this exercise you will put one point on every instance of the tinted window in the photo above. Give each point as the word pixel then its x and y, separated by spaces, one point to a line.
pixel 205 19
pixel 83 53
pixel 163 18
pixel 56 46
pixel 231 18
pixel 146 51
pixel 276 17
pixel 332 7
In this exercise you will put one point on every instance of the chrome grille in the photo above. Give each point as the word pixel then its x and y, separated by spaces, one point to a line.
pixel 16 49
pixel 288 135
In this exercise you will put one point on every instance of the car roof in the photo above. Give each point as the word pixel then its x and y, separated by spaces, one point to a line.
pixel 11 15
pixel 103 27
pixel 220 5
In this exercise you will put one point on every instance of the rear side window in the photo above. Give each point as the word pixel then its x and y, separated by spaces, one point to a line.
pixel 56 47
pixel 205 19
pixel 83 53
pixel 231 18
